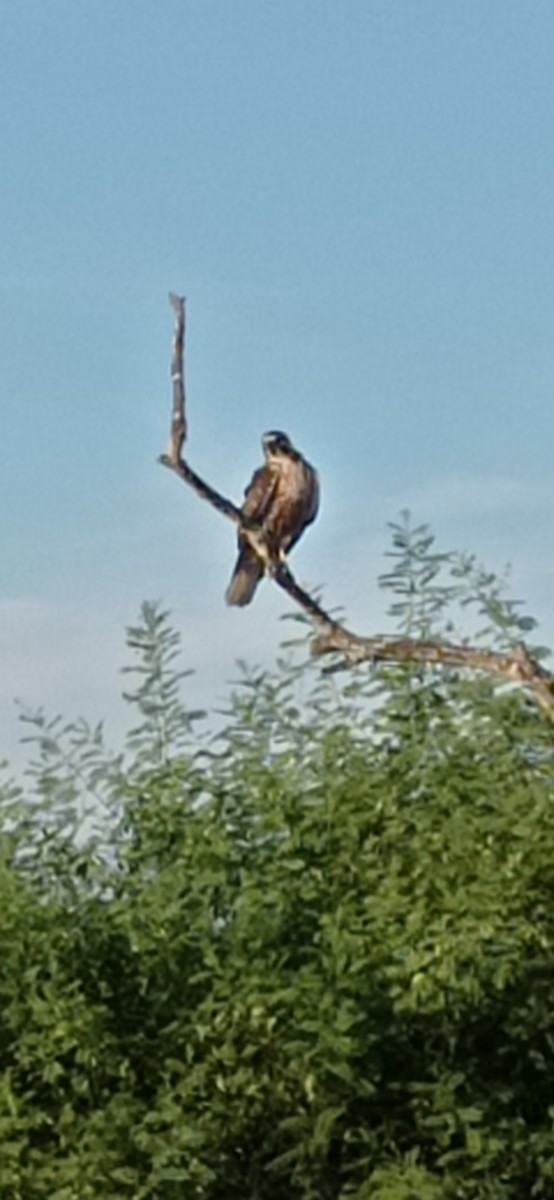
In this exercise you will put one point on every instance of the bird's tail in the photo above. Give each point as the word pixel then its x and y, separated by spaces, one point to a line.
pixel 245 578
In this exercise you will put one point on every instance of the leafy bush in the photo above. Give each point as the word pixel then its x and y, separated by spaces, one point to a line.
pixel 310 957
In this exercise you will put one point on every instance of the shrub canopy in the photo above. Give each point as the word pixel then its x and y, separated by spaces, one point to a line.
pixel 309 957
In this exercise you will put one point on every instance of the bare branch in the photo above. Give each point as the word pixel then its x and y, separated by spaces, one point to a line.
pixel 518 667
pixel 178 433
pixel 284 577
pixel 202 489
pixel 333 638
pixel 177 437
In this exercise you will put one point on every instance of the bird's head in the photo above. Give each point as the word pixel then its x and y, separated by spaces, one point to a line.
pixel 276 442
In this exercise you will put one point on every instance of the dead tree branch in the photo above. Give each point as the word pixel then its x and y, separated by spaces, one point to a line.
pixel 333 638
pixel 178 432
pixel 518 667
pixel 179 428
pixel 284 578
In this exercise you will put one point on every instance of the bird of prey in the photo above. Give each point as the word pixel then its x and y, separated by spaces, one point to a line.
pixel 281 499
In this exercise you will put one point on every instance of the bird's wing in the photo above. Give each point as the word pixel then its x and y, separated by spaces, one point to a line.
pixel 294 502
pixel 312 506
pixel 260 493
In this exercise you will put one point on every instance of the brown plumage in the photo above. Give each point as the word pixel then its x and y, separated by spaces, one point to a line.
pixel 282 498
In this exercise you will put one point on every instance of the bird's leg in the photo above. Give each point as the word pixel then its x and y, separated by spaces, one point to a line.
pixel 275 556
pixel 273 566
pixel 276 562
pixel 270 553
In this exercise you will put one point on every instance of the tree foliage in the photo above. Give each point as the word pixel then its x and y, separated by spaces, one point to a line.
pixel 308 958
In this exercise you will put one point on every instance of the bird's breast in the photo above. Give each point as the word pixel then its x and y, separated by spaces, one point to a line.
pixel 295 501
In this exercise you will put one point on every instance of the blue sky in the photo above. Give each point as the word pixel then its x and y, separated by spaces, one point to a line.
pixel 357 200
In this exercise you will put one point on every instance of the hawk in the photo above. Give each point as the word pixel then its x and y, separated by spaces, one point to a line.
pixel 282 499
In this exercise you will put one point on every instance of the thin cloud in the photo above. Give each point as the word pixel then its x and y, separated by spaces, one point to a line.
pixel 463 495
